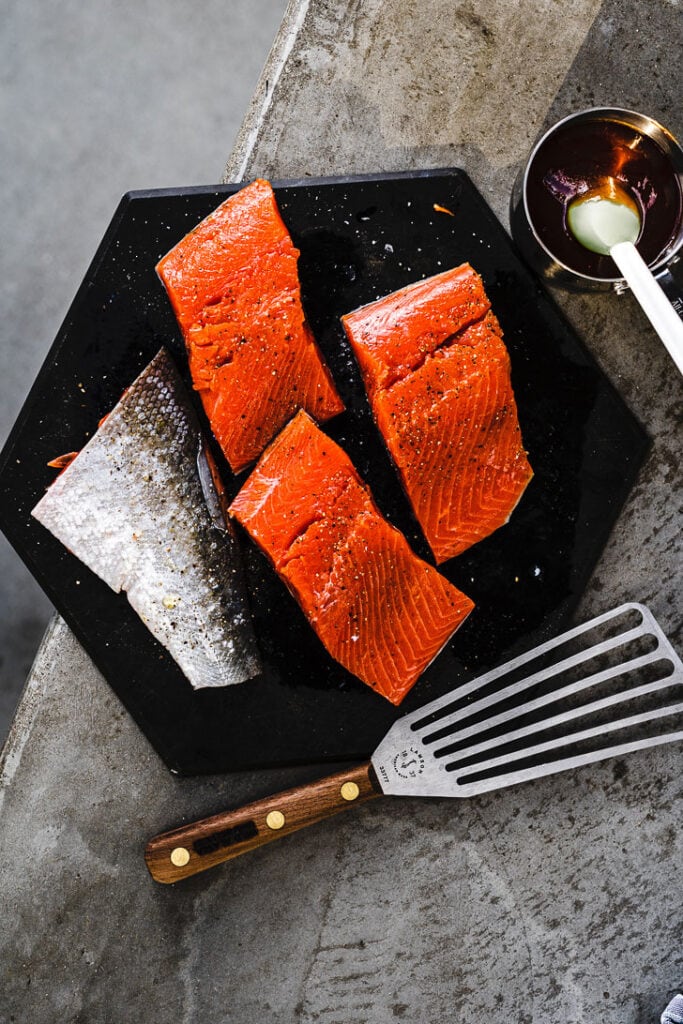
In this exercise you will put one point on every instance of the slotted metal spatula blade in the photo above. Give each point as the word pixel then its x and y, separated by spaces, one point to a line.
pixel 603 689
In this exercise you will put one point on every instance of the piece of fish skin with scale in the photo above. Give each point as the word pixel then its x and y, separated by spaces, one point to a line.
pixel 131 507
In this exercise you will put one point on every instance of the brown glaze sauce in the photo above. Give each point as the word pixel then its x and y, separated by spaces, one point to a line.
pixel 573 161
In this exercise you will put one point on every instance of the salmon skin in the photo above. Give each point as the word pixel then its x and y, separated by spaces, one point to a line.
pixel 131 506
pixel 437 375
pixel 379 610
pixel 234 288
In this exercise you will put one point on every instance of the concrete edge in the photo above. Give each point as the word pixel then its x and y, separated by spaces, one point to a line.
pixel 27 707
pixel 289 30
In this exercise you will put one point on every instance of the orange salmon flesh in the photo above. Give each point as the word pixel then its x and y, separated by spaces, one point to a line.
pixel 234 288
pixel 380 611
pixel 437 374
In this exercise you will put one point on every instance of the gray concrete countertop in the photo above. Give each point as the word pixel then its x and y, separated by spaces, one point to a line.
pixel 557 902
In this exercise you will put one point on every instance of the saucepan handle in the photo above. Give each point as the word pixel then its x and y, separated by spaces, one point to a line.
pixel 190 849
pixel 672 288
pixel 654 302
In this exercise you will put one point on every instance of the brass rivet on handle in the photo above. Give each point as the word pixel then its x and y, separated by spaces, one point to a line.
pixel 180 857
pixel 350 791
pixel 275 820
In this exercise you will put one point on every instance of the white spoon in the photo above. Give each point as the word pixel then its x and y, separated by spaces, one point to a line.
pixel 606 220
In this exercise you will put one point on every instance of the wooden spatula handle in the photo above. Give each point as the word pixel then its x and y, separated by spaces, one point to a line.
pixel 192 848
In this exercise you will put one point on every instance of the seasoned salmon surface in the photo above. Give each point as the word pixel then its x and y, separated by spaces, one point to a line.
pixel 437 374
pixel 379 610
pixel 131 506
pixel 234 288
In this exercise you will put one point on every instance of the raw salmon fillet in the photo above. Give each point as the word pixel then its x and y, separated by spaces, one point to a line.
pixel 437 374
pixel 378 608
pixel 134 506
pixel 234 288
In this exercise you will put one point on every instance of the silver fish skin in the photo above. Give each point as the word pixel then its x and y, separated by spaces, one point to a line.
pixel 131 507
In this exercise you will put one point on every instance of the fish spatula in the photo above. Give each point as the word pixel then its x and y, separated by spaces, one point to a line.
pixel 603 689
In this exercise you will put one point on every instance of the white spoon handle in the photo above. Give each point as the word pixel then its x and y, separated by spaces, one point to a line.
pixel 652 299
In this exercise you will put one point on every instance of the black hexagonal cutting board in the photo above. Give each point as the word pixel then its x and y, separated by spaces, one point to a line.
pixel 360 238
